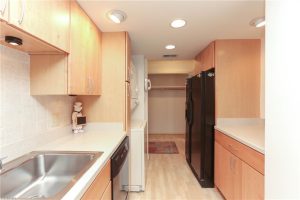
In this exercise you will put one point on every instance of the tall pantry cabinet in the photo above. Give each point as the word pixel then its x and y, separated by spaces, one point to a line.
pixel 114 103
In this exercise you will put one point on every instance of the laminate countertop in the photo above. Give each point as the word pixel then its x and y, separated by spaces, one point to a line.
pixel 105 141
pixel 250 132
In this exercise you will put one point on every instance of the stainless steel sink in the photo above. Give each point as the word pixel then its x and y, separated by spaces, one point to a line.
pixel 44 174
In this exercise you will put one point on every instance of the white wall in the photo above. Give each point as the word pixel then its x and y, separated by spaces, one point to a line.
pixel 171 66
pixel 167 107
pixel 282 139
pixel 25 120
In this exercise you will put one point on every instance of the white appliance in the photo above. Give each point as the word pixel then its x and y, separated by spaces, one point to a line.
pixel 134 87
pixel 138 155
pixel 147 84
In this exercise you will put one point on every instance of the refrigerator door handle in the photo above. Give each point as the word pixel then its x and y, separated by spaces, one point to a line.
pixel 191 113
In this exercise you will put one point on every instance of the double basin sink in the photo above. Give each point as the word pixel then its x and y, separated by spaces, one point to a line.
pixel 44 175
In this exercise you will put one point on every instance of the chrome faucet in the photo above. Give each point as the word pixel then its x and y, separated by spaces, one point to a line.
pixel 1 163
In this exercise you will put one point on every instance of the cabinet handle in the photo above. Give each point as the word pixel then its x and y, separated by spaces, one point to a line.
pixel 3 7
pixel 232 164
pixel 128 90
pixel 89 85
pixel 22 12
pixel 149 84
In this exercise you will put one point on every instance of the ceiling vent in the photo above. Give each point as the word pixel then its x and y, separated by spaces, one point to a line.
pixel 170 56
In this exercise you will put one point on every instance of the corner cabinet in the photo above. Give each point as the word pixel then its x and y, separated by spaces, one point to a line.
pixel 100 188
pixel 47 20
pixel 239 170
pixel 78 73
pixel 205 59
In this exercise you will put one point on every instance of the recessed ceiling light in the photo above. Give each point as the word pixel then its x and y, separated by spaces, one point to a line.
pixel 170 46
pixel 117 16
pixel 258 22
pixel 13 40
pixel 178 23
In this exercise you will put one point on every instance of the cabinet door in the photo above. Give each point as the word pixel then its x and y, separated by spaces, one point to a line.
pixel 227 173
pixel 99 185
pixel 205 59
pixel 93 62
pixel 252 183
pixel 84 58
pixel 208 57
pixel 4 10
pixel 47 20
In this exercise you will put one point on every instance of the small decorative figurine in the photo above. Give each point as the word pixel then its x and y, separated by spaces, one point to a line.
pixel 78 120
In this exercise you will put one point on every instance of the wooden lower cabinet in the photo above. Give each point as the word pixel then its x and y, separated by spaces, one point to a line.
pixel 100 189
pixel 237 173
pixel 252 183
pixel 228 170
pixel 107 195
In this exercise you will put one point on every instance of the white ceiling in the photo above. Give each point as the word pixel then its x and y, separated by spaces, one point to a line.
pixel 148 23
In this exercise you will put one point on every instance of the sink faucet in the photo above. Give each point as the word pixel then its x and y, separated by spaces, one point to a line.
pixel 1 164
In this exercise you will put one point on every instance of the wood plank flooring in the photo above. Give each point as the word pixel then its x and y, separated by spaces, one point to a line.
pixel 170 178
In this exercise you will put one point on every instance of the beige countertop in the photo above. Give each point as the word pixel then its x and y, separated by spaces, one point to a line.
pixel 105 141
pixel 250 132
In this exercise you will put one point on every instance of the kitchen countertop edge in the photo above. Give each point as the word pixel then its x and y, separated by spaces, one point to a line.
pixel 244 140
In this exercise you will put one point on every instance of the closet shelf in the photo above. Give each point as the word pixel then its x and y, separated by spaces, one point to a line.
pixel 168 87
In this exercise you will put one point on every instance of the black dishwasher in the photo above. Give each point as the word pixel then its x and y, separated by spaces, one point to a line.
pixel 119 171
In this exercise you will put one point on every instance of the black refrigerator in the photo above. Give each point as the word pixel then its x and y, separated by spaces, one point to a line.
pixel 200 121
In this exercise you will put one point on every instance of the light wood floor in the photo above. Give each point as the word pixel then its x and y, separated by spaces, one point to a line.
pixel 170 178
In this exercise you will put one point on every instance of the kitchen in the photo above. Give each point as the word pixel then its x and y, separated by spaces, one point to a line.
pixel 70 52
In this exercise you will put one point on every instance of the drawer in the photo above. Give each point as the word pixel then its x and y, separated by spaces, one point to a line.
pixel 252 157
pixel 99 185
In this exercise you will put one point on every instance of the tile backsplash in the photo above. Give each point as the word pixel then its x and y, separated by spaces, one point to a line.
pixel 25 118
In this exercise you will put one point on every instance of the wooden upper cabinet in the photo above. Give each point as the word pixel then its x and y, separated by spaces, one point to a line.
pixel 238 78
pixel 85 53
pixel 228 169
pixel 205 59
pixel 4 10
pixel 81 68
pixel 48 20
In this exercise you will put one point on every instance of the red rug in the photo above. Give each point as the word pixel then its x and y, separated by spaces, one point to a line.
pixel 162 147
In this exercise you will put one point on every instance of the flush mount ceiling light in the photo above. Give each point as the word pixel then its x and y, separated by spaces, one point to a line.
pixel 258 22
pixel 170 46
pixel 13 40
pixel 178 23
pixel 117 16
